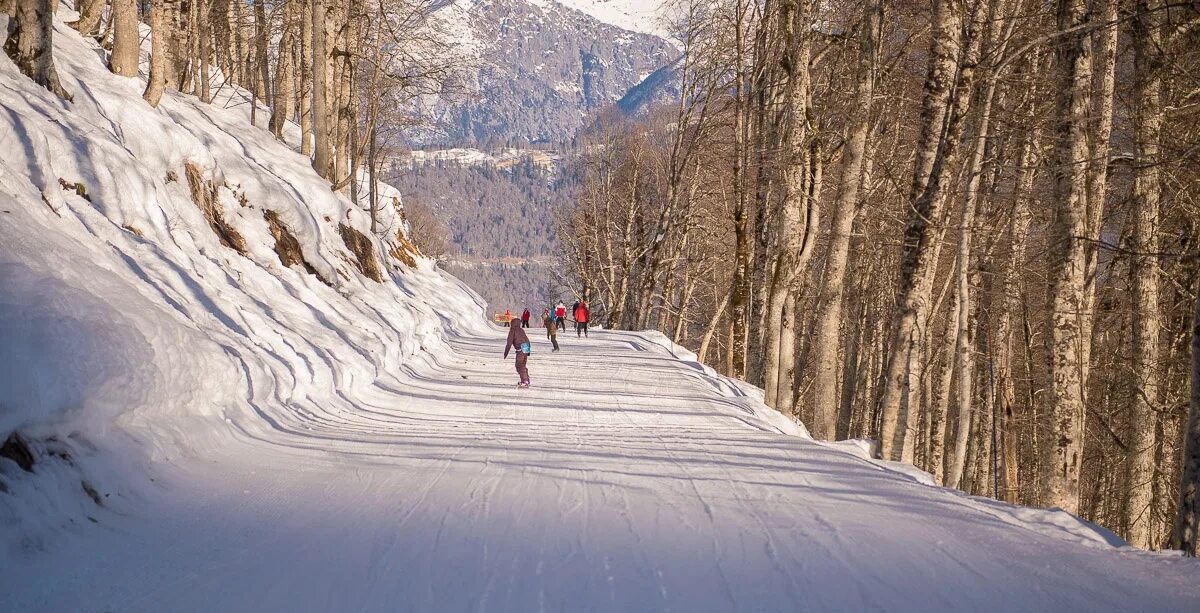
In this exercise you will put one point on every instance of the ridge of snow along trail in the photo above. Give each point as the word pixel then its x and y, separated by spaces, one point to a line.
pixel 225 412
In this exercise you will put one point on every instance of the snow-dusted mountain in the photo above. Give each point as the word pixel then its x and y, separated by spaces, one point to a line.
pixel 645 16
pixel 534 71
pixel 538 70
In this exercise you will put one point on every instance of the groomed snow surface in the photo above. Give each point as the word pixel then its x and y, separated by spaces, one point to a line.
pixel 218 432
pixel 624 480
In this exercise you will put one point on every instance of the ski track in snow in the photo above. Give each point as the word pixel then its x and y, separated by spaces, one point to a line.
pixel 622 481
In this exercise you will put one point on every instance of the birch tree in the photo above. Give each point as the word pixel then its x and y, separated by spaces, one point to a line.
pixel 1147 187
pixel 322 145
pixel 1186 535
pixel 918 260
pixel 283 101
pixel 798 213
pixel 828 326
pixel 1069 231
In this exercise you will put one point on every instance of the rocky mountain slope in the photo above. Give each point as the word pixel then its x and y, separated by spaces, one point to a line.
pixel 538 70
pixel 535 72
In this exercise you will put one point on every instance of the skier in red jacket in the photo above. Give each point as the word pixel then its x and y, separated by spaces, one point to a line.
pixel 560 316
pixel 518 340
pixel 525 318
pixel 581 318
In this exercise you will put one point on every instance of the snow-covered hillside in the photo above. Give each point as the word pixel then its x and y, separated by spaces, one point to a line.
pixel 645 16
pixel 173 278
pixel 237 399
pixel 469 156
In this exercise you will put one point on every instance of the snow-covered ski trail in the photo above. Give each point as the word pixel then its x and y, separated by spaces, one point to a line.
pixel 624 480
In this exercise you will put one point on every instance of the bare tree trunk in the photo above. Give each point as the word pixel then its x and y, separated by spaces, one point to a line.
pixel 943 391
pixel 1018 229
pixel 1186 535
pixel 162 18
pixel 371 170
pixel 966 325
pixel 799 210
pixel 344 52
pixel 30 43
pixel 941 127
pixel 786 366
pixel 262 68
pixel 711 329
pixel 179 51
pixel 850 371
pixel 204 28
pixel 306 79
pixel 618 315
pixel 90 13
pixel 220 24
pixel 191 74
pixel 1104 67
pixel 766 129
pixel 253 64
pixel 124 59
pixel 910 399
pixel 743 243
pixel 1069 259
pixel 238 34
pixel 678 336
pixel 323 151
pixel 1147 189
pixel 281 107
pixel 828 326
pixel 373 108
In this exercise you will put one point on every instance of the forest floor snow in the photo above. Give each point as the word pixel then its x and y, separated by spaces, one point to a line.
pixel 626 479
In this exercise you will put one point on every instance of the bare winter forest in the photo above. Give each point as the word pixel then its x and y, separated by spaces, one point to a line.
pixel 964 228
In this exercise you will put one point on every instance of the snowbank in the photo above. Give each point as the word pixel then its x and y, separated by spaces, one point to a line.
pixel 172 277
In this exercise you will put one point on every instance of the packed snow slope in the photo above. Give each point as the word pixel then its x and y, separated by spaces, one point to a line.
pixel 626 479
pixel 227 412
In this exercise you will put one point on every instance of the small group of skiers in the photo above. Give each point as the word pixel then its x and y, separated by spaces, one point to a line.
pixel 554 319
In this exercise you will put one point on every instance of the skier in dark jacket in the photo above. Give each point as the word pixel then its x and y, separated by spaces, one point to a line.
pixel 518 340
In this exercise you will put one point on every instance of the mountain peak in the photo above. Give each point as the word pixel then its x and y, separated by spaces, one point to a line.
pixel 539 69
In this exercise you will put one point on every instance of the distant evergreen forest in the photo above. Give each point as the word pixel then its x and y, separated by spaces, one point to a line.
pixel 500 222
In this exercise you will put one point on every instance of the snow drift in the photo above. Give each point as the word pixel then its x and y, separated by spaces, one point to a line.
pixel 175 275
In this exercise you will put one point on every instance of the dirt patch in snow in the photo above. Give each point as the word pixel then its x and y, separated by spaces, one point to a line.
pixel 16 449
pixel 363 250
pixel 92 493
pixel 205 195
pixel 286 245
pixel 405 251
